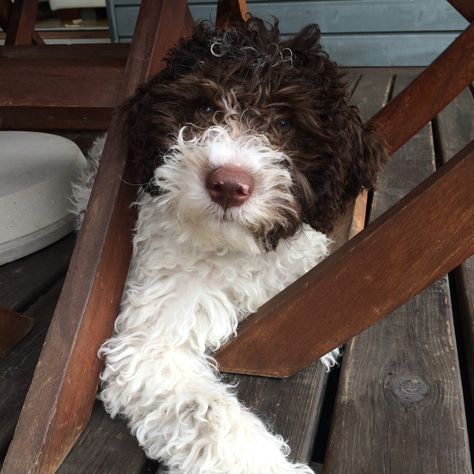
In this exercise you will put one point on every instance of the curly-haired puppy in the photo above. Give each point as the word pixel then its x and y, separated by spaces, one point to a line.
pixel 247 151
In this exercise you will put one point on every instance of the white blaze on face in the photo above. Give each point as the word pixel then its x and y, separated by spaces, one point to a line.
pixel 182 178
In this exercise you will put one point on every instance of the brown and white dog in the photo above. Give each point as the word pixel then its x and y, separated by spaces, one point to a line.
pixel 247 151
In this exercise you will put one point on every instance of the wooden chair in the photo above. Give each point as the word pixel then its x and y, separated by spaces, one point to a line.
pixel 422 241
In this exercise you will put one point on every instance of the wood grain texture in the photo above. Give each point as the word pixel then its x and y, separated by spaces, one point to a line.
pixel 24 280
pixel 17 368
pixel 366 275
pixel 105 446
pixel 290 407
pixel 397 122
pixel 21 22
pixel 60 86
pixel 65 380
pixel 95 54
pixel 51 94
pixel 455 127
pixel 400 382
pixel 437 85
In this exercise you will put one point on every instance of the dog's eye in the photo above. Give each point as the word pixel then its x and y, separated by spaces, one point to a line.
pixel 208 109
pixel 284 124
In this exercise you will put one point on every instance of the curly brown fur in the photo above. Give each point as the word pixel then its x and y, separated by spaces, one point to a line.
pixel 289 91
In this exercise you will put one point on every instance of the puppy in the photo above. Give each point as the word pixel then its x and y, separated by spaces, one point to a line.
pixel 247 152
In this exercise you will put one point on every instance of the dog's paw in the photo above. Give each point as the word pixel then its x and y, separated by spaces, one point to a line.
pixel 331 359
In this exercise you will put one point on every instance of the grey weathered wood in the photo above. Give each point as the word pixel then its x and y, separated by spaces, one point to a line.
pixel 455 126
pixel 105 446
pixel 24 280
pixel 400 405
pixel 343 16
pixel 355 33
pixel 16 370
pixel 30 285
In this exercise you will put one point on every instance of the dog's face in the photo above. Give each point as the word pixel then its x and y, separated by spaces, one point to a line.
pixel 244 133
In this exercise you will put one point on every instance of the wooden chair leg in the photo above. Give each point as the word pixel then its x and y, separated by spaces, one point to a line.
pixel 61 395
pixel 429 93
pixel 21 23
pixel 424 236
pixel 419 103
pixel 230 10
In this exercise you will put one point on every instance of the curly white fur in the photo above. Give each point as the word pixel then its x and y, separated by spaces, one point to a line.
pixel 194 275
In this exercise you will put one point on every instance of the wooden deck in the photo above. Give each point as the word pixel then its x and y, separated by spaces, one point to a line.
pixel 402 401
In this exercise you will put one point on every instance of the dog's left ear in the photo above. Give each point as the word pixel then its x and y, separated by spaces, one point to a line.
pixel 347 160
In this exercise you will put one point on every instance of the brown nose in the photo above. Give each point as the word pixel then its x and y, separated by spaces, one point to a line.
pixel 229 186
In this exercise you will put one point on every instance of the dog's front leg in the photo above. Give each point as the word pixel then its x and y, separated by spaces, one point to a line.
pixel 183 415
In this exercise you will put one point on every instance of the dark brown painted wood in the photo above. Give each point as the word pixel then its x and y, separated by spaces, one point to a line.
pixel 61 396
pixel 417 241
pixel 60 86
pixel 400 382
pixel 96 54
pixel 455 127
pixel 464 7
pixel 55 118
pixel 429 93
pixel 21 22
pixel 229 11
pixel 40 95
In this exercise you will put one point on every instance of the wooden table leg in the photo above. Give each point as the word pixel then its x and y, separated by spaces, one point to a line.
pixel 424 236
pixel 60 399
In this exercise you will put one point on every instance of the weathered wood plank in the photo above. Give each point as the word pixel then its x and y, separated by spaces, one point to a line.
pixel 400 382
pixel 105 446
pixel 65 380
pixel 437 85
pixel 16 370
pixel 60 86
pixel 23 281
pixel 455 126
pixel 343 16
pixel 395 244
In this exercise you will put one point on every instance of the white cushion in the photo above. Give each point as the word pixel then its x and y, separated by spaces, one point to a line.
pixel 63 4
pixel 36 171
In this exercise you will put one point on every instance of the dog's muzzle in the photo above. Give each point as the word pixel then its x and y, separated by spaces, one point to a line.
pixel 229 186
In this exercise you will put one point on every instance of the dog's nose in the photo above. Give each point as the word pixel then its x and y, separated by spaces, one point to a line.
pixel 229 186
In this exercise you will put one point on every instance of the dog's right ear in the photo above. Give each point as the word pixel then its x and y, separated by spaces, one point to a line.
pixel 153 113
